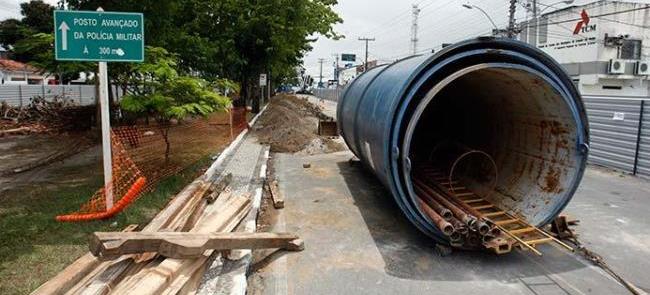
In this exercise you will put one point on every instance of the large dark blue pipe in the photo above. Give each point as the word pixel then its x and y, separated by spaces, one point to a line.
pixel 376 109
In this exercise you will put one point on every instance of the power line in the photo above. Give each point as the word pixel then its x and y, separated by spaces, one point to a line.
pixel 424 11
pixel 396 19
pixel 365 64
pixel 414 29
pixel 320 77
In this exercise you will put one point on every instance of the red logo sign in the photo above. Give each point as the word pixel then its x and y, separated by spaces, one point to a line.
pixel 582 23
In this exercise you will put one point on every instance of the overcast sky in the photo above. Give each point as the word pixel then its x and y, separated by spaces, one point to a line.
pixel 389 22
pixel 11 8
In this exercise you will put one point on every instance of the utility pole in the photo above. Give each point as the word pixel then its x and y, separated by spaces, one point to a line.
pixel 336 68
pixel 320 77
pixel 511 19
pixel 365 64
pixel 534 43
pixel 414 29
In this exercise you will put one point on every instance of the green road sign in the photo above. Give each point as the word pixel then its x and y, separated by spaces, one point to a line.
pixel 348 57
pixel 99 36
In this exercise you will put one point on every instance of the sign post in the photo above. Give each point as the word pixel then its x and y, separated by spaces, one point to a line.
pixel 262 86
pixel 103 37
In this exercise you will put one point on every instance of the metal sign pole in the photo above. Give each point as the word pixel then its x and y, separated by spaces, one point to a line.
pixel 106 134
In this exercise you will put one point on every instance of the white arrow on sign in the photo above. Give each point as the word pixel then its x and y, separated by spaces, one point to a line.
pixel 64 35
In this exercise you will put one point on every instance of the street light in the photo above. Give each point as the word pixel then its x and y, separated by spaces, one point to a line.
pixel 469 6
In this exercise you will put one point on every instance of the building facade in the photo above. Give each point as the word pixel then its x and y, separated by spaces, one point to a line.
pixel 604 45
pixel 16 73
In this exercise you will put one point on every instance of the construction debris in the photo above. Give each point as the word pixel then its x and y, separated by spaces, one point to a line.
pixel 44 115
pixel 327 128
pixel 187 245
pixel 149 272
pixel 276 196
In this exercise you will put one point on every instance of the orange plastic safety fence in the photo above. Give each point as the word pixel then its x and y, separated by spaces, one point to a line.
pixel 239 120
pixel 144 154
pixel 128 182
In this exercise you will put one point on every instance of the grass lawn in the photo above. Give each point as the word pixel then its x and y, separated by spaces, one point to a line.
pixel 34 247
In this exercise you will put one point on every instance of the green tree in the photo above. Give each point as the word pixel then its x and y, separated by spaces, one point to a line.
pixel 38 16
pixel 235 39
pixel 40 52
pixel 10 32
pixel 159 92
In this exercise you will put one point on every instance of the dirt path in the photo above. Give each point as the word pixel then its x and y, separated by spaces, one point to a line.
pixel 24 152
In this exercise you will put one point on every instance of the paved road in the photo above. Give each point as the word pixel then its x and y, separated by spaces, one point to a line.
pixel 358 242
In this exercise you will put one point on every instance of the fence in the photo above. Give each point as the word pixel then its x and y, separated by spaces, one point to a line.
pixel 620 133
pixel 332 94
pixel 20 95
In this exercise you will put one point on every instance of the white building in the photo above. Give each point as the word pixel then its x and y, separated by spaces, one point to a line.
pixel 604 46
pixel 16 73
pixel 347 74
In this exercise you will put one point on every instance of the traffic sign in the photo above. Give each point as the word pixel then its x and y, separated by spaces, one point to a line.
pixel 348 57
pixel 99 36
pixel 262 79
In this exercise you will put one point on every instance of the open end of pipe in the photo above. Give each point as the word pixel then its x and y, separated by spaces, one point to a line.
pixel 514 115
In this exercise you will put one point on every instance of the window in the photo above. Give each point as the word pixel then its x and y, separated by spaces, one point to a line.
pixel 17 78
pixel 631 49
pixel 543 30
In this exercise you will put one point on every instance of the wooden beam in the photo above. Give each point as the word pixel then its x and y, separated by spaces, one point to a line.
pixel 187 245
pixel 174 215
pixel 178 271
pixel 278 199
pixel 75 272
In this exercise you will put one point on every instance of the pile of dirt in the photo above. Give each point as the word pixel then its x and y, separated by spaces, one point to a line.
pixel 290 125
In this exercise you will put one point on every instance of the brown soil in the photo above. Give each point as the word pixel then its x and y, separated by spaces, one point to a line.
pixel 290 125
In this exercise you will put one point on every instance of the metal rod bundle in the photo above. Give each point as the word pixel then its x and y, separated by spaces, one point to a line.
pixel 465 226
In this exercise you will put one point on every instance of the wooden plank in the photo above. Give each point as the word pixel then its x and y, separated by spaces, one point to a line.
pixel 158 278
pixel 522 230
pixel 492 214
pixel 176 214
pixel 73 273
pixel 538 241
pixel 507 221
pixel 473 201
pixel 278 199
pixel 464 194
pixel 480 207
pixel 187 245
pixel 67 278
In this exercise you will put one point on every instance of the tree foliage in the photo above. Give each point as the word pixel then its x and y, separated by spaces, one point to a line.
pixel 160 92
pixel 234 39
pixel 39 48
pixel 37 16
pixel 213 39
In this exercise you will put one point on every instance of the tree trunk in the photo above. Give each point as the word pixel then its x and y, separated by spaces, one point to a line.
pixel 243 95
pixel 257 98
pixel 165 134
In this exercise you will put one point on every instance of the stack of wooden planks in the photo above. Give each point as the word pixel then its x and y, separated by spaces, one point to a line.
pixel 203 209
